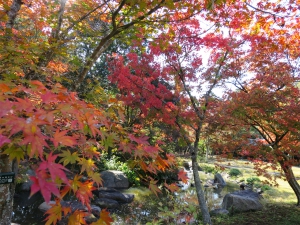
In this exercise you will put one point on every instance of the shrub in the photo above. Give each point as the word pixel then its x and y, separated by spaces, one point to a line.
pixel 234 172
pixel 209 169
pixel 114 163
pixel 265 187
pixel 252 180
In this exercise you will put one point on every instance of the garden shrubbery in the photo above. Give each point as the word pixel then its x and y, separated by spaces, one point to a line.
pixel 234 172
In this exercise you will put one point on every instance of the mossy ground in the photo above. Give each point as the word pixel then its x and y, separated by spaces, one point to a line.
pixel 279 202
pixel 272 214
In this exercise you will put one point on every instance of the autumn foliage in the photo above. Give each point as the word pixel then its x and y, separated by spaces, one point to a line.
pixel 178 53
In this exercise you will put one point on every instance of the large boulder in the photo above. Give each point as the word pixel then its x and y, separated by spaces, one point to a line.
pixel 242 201
pixel 187 165
pixel 110 193
pixel 114 179
pixel 74 205
pixel 107 203
pixel 216 212
pixel 219 180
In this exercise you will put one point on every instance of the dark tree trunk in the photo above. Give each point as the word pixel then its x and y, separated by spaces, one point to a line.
pixel 7 191
pixel 289 174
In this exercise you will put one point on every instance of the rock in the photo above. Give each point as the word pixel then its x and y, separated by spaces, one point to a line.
pixel 219 179
pixel 209 183
pixel 186 165
pixel 107 203
pixel 113 194
pixel 114 179
pixel 75 205
pixel 218 212
pixel 95 210
pixel 27 184
pixel 90 217
pixel 46 206
pixel 242 201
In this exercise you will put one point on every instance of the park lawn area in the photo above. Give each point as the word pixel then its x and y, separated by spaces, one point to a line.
pixel 272 214
pixel 279 202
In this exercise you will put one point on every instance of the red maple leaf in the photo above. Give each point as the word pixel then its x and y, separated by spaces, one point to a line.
pixel 42 183
pixel 172 187
pixel 182 175
pixel 3 140
pixel 139 140
pixel 56 170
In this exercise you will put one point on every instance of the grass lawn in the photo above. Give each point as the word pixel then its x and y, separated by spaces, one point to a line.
pixel 272 214
pixel 279 202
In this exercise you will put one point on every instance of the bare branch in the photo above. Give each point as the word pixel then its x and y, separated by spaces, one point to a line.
pixel 266 12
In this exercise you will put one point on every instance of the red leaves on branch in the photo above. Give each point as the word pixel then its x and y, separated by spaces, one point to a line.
pixel 182 175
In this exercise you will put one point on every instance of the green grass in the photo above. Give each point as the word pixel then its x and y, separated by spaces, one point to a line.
pixel 272 214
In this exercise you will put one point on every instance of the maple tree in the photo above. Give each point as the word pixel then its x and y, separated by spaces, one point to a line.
pixel 164 90
pixel 41 47
pixel 48 122
pixel 265 98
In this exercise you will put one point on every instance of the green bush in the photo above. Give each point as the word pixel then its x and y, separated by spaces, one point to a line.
pixel 235 172
pixel 253 180
pixel 114 163
pixel 209 169
pixel 265 187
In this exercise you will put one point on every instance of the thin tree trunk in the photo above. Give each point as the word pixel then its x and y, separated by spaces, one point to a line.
pixel 289 174
pixel 7 191
pixel 199 190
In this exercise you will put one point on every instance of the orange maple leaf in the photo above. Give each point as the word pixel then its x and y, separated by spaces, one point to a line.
pixel 77 218
pixel 105 219
pixel 84 193
pixel 55 213
pixel 153 187
pixel 172 187
pixel 182 175
pixel 60 137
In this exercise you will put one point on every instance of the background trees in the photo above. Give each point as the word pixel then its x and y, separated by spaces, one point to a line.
pixel 173 55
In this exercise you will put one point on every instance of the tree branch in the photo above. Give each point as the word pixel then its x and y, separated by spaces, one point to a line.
pixel 12 13
pixel 106 41
pixel 61 11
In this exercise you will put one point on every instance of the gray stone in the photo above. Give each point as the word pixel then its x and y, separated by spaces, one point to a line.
pixel 219 179
pixel 107 203
pixel 114 179
pixel 186 165
pixel 115 195
pixel 218 212
pixel 46 206
pixel 26 186
pixel 74 205
pixel 242 201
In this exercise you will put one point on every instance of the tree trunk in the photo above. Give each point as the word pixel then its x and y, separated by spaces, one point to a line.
pixel 199 190
pixel 289 174
pixel 7 191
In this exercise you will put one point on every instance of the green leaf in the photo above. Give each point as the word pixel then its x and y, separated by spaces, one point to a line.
pixel 14 153
pixel 68 157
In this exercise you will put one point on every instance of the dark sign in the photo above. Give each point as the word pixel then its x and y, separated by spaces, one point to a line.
pixel 7 178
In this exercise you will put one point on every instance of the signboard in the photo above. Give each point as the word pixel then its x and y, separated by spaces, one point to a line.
pixel 7 178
